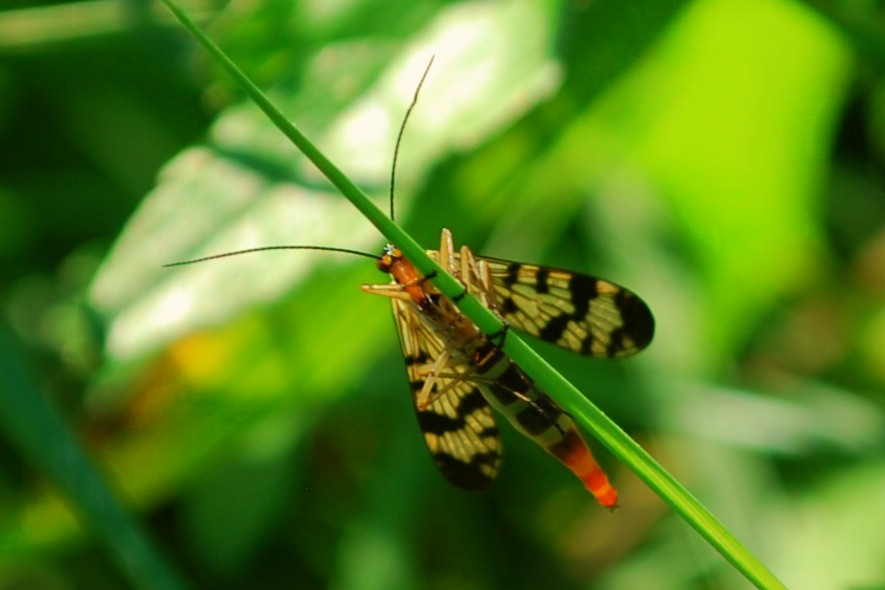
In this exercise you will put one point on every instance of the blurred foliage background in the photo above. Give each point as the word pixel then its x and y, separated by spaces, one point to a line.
pixel 724 159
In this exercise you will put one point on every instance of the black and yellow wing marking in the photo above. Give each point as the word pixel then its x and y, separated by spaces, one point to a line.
pixel 588 315
pixel 459 427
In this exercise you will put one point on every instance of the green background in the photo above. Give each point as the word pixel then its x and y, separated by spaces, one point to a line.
pixel 723 159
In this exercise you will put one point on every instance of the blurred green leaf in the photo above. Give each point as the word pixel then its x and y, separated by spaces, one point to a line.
pixel 36 428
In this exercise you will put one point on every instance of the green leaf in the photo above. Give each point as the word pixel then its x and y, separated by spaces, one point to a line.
pixel 35 426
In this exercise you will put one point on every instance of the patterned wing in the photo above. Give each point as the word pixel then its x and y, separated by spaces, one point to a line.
pixel 459 427
pixel 585 314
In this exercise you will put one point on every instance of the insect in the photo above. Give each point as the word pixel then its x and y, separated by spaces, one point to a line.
pixel 458 374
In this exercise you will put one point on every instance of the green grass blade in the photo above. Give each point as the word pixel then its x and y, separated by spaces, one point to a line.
pixel 584 412
pixel 488 322
pixel 37 429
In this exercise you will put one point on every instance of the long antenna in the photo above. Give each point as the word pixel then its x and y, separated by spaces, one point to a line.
pixel 399 138
pixel 265 248
pixel 402 128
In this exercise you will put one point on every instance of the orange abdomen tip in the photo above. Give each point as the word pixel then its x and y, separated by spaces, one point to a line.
pixel 574 453
pixel 597 484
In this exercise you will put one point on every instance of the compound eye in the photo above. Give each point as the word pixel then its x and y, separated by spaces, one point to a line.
pixel 384 263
